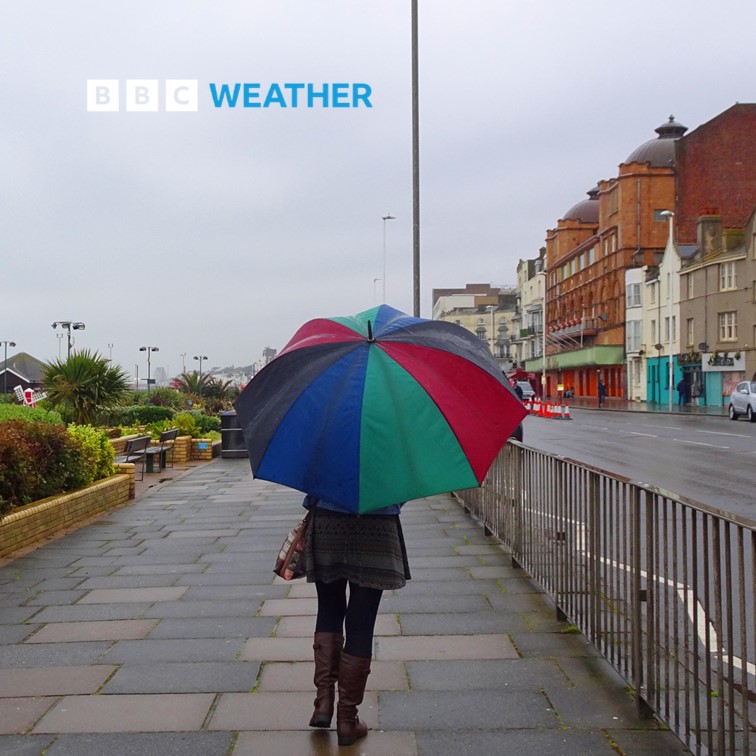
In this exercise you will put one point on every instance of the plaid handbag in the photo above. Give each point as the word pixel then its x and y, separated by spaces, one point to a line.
pixel 290 561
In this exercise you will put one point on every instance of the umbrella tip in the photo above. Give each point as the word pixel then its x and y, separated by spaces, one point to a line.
pixel 370 331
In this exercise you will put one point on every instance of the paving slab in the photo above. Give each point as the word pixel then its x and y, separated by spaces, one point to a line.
pixel 139 713
pixel 184 677
pixel 71 632
pixel 324 743
pixel 54 681
pixel 142 744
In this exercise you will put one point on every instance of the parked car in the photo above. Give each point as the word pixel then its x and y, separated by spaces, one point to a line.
pixel 527 390
pixel 743 401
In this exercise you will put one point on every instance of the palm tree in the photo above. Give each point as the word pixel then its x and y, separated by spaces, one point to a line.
pixel 84 384
pixel 219 395
pixel 193 383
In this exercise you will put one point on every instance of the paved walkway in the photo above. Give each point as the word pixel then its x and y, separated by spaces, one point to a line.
pixel 160 629
pixel 625 405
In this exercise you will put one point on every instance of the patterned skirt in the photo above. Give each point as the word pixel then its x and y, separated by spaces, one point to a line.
pixel 368 550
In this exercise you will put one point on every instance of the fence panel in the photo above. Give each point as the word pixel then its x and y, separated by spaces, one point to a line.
pixel 664 587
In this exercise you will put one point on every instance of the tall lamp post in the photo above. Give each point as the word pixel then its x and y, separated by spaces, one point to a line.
pixel 6 344
pixel 110 352
pixel 542 272
pixel 669 215
pixel 148 349
pixel 386 217
pixel 200 358
pixel 68 326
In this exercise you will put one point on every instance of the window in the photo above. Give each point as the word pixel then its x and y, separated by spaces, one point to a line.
pixel 481 332
pixel 591 255
pixel 670 335
pixel 653 292
pixel 728 326
pixel 633 336
pixel 726 276
pixel 633 295
pixel 653 331
pixel 689 332
pixel 689 285
pixel 614 243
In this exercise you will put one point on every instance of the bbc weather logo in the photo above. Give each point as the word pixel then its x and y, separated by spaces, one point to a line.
pixel 142 95
pixel 181 95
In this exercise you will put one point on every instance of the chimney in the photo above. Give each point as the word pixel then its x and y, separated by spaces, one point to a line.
pixel 710 232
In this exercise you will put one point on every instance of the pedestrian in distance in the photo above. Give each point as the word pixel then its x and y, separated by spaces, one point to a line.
pixel 695 393
pixel 365 554
pixel 683 391
pixel 601 393
pixel 517 389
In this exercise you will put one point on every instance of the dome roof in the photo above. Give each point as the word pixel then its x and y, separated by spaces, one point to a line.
pixel 586 211
pixel 660 152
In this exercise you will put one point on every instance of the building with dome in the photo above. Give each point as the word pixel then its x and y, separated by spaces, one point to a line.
pixel 622 227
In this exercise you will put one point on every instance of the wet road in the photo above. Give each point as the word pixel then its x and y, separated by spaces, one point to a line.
pixel 711 460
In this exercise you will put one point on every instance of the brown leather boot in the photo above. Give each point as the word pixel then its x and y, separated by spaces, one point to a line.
pixel 327 648
pixel 353 675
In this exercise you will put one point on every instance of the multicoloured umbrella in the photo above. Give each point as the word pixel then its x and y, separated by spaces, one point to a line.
pixel 378 408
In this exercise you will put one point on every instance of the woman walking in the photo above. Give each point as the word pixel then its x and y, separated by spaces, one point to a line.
pixel 367 555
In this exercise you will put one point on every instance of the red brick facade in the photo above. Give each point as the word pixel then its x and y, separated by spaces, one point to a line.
pixel 716 171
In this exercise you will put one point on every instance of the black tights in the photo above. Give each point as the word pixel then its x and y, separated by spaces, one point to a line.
pixel 360 614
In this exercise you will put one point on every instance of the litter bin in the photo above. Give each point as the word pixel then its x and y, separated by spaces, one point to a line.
pixel 232 438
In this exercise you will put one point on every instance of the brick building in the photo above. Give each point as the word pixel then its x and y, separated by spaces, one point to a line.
pixel 622 226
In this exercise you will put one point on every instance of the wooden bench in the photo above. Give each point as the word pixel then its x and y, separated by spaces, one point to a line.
pixel 161 451
pixel 136 452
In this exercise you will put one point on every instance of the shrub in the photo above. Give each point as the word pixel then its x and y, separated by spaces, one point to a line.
pixel 30 414
pixel 143 414
pixel 186 424
pixel 98 451
pixel 205 423
pixel 167 397
pixel 38 460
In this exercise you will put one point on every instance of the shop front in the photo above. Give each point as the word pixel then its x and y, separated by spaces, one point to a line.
pixel 579 371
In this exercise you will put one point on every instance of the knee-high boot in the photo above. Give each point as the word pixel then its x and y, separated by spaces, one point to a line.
pixel 327 647
pixel 353 675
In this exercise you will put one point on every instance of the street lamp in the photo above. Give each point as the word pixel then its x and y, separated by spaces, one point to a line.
pixel 148 349
pixel 386 217
pixel 183 361
pixel 542 272
pixel 68 325
pixel 110 350
pixel 200 358
pixel 6 344
pixel 670 248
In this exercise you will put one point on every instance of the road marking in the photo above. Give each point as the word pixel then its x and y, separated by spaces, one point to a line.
pixel 720 433
pixel 686 595
pixel 668 427
pixel 650 435
pixel 699 443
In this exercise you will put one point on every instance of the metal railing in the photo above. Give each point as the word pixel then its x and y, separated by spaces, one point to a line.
pixel 663 587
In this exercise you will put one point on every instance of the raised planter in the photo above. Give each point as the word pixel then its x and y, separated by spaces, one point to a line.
pixel 205 448
pixel 42 519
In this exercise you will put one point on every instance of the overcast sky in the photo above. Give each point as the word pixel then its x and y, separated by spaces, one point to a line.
pixel 218 232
